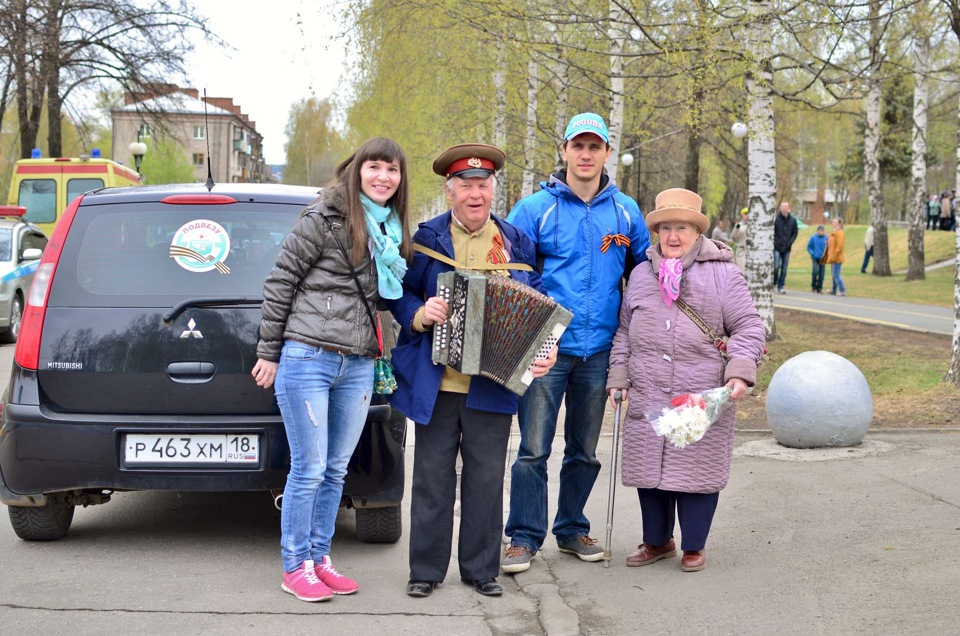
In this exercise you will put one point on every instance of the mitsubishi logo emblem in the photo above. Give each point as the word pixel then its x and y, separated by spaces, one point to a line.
pixel 192 330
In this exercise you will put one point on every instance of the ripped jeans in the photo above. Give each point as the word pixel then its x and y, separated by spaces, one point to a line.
pixel 324 397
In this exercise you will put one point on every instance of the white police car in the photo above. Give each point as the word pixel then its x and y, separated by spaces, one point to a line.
pixel 21 246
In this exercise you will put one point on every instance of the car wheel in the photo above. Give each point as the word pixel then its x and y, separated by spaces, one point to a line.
pixel 379 525
pixel 16 314
pixel 42 523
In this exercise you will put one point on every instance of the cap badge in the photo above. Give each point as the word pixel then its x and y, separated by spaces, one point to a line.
pixel 474 162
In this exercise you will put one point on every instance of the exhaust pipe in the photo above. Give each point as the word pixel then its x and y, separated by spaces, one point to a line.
pixel 277 498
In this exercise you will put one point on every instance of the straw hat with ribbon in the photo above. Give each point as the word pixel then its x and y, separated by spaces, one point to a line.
pixel 678 205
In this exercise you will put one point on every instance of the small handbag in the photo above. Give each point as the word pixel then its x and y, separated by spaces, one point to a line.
pixel 384 381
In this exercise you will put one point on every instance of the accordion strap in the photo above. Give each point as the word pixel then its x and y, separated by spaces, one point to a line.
pixel 484 266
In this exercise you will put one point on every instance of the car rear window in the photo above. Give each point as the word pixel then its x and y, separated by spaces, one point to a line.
pixel 151 254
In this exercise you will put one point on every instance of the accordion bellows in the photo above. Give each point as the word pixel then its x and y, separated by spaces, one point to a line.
pixel 496 327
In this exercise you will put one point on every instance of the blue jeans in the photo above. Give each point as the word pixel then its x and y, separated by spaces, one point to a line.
pixel 837 281
pixel 867 253
pixel 324 397
pixel 581 384
pixel 780 260
pixel 816 281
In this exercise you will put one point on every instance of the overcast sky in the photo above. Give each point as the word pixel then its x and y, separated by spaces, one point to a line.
pixel 277 61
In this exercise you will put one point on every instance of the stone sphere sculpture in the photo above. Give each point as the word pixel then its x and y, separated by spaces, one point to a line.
pixel 818 399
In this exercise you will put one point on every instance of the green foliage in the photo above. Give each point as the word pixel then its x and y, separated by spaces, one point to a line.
pixel 314 147
pixel 713 186
pixel 166 162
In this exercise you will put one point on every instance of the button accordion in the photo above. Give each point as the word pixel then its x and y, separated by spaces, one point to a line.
pixel 496 327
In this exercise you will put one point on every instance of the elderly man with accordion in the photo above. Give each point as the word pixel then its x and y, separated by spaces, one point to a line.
pixel 469 413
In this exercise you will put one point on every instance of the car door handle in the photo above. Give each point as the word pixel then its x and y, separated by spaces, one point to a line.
pixel 191 372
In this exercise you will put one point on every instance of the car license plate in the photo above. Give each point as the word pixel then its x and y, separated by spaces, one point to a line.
pixel 192 449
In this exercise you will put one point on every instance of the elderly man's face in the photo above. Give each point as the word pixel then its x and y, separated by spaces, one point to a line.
pixel 470 200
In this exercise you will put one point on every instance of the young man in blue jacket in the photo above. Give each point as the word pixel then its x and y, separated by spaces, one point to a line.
pixel 455 413
pixel 583 228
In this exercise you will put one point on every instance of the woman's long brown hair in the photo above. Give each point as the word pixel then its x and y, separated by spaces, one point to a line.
pixel 348 187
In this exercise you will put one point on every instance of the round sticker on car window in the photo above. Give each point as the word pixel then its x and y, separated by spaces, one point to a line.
pixel 201 245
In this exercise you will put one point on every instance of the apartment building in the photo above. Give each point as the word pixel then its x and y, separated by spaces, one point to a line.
pixel 235 146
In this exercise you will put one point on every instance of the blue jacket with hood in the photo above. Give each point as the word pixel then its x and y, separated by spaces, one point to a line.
pixel 568 234
pixel 418 379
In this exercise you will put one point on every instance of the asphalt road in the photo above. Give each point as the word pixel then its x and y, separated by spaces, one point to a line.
pixel 924 318
pixel 825 542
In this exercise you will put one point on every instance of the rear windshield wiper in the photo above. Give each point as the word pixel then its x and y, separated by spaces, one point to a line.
pixel 208 301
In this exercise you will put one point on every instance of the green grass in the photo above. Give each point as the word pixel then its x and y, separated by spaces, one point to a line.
pixel 936 289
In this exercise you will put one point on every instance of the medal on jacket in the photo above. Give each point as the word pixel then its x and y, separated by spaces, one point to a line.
pixel 618 239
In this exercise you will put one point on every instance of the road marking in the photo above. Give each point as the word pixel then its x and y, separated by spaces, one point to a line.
pixel 871 321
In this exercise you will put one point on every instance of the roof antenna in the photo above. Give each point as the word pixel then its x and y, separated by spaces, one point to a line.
pixel 206 125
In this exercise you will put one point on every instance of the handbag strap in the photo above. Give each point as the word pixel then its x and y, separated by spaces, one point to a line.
pixel 356 279
pixel 701 323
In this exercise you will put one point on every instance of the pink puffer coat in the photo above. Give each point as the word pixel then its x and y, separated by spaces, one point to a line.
pixel 659 352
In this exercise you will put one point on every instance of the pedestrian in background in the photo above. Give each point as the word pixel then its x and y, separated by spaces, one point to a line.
pixel 946 211
pixel 867 248
pixel 816 248
pixel 720 232
pixel 784 234
pixel 933 212
pixel 317 341
pixel 660 352
pixel 836 258
pixel 739 236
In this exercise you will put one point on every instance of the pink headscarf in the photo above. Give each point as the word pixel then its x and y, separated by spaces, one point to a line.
pixel 671 271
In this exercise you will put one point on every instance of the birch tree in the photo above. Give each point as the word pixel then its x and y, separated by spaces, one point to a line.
pixel 917 214
pixel 530 134
pixel 871 139
pixel 615 120
pixel 953 373
pixel 762 162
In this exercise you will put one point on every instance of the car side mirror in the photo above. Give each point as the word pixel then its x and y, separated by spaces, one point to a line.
pixel 31 254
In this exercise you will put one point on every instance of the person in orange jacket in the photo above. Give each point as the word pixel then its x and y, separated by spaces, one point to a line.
pixel 835 258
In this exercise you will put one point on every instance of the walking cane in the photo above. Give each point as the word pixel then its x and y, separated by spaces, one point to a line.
pixel 607 551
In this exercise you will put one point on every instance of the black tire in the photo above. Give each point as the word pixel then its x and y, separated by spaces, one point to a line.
pixel 379 525
pixel 42 523
pixel 16 315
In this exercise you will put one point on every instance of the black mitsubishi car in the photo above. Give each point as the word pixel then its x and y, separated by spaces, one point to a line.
pixel 132 367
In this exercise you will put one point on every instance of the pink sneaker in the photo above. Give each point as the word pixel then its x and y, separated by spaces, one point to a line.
pixel 305 584
pixel 338 583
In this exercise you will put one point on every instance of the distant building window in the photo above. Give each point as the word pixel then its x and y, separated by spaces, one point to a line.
pixel 199 132
pixel 198 158
pixel 143 131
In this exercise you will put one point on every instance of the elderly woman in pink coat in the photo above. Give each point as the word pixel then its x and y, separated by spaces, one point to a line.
pixel 659 352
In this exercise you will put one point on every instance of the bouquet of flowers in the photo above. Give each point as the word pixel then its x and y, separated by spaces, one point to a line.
pixel 692 414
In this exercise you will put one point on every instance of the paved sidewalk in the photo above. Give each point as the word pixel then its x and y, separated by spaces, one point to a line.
pixel 912 317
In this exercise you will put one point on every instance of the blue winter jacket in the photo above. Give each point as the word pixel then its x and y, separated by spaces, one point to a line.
pixel 568 233
pixel 418 379
pixel 816 246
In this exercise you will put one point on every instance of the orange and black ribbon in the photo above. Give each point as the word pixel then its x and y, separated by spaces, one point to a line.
pixel 496 255
pixel 619 239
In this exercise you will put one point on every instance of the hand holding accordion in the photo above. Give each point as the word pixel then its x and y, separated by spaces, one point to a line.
pixel 496 327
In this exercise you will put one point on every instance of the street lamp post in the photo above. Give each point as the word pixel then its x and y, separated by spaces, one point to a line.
pixel 138 149
pixel 627 157
pixel 627 160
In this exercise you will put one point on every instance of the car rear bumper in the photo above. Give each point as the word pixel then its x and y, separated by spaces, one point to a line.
pixel 44 452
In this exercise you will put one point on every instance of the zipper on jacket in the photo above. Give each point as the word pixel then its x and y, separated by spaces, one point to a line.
pixel 589 241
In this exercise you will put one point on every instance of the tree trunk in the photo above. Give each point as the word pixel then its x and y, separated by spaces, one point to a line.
pixel 871 148
pixel 917 216
pixel 692 181
pixel 500 203
pixel 615 120
pixel 50 72
pixel 953 373
pixel 530 137
pixel 763 164
pixel 560 87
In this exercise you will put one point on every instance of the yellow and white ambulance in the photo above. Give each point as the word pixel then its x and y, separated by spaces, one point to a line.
pixel 46 186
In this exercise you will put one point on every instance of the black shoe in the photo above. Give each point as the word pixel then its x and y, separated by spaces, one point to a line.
pixel 420 588
pixel 487 587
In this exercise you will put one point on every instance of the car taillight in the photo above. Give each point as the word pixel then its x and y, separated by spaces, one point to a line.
pixel 27 353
